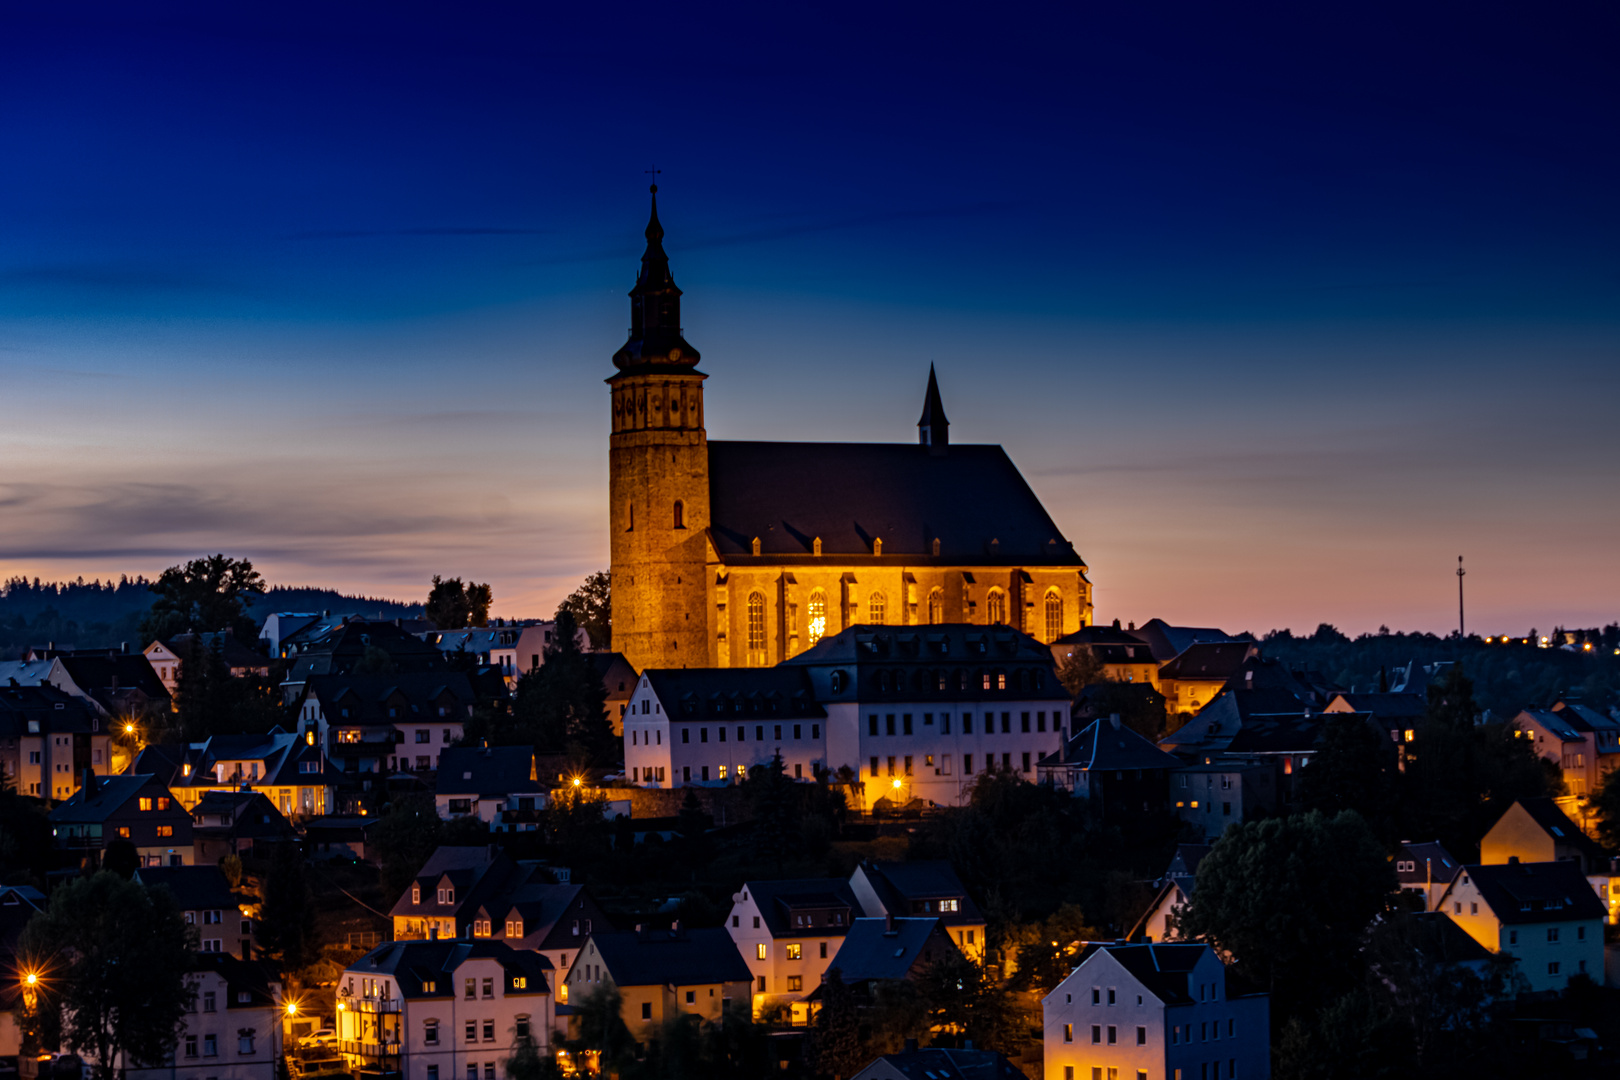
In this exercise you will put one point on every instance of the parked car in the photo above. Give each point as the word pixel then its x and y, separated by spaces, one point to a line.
pixel 323 1037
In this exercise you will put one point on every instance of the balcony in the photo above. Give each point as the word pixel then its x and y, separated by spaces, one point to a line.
pixel 369 1049
pixel 372 1006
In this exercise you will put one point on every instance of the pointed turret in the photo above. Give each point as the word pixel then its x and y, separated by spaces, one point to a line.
pixel 655 312
pixel 933 430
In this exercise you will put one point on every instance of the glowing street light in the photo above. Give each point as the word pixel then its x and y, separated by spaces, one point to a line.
pixel 292 1008
pixel 896 784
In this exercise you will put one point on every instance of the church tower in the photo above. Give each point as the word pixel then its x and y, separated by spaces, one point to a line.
pixel 658 477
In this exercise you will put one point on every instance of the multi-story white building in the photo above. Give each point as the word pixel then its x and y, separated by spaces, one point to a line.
pixel 1545 914
pixel 911 711
pixel 788 932
pixel 233 1031
pixel 443 1010
pixel 1155 1012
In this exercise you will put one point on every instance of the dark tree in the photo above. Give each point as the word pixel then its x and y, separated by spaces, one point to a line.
pixel 836 1048
pixel 591 605
pixel 376 660
pixel 771 795
pixel 27 848
pixel 1080 669
pixel 204 595
pixel 1353 1037
pixel 963 1001
pixel 1353 769
pixel 694 828
pixel 120 857
pixel 452 605
pixel 1606 805
pixel 1289 899
pixel 602 1028
pixel 404 837
pixel 286 927
pixel 563 701
pixel 113 957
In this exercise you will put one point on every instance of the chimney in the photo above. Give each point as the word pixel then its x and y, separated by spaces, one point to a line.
pixel 123 646
pixel 1513 859
pixel 911 1046
pixel 1113 721
pixel 89 783
pixel 888 922
pixel 675 928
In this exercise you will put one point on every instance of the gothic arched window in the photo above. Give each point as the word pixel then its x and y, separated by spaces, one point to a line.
pixel 1054 615
pixel 875 608
pixel 996 607
pixel 936 606
pixel 756 621
pixel 680 514
pixel 817 616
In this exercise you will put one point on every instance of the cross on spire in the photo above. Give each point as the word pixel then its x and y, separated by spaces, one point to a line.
pixel 653 172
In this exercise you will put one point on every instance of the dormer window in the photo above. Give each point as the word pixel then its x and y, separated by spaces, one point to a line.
pixel 416 894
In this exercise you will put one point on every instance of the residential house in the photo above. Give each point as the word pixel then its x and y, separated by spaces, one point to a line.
pixel 788 932
pixel 377 724
pixel 121 683
pixel 618 683
pixel 233 1031
pixel 698 726
pixel 890 949
pixel 1159 1011
pixel 1121 772
pixel 1603 736
pixel 242 823
pixel 133 807
pixel 443 1010
pixel 49 739
pixel 1544 914
pixel 287 768
pixel 928 888
pixel 1175 890
pixel 1225 792
pixel 282 625
pixel 206 901
pixel 240 660
pixel 1581 741
pixel 1536 830
pixel 327 647
pixel 1124 656
pixel 941 1063
pixel 1195 676
pixel 446 885
pixel 18 904
pixel 1169 642
pixel 483 781
pixel 661 974
pixel 1424 871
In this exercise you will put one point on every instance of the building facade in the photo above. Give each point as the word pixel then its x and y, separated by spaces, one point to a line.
pixel 738 554
pixel 1545 915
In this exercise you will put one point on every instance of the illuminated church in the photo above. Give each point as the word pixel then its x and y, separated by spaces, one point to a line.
pixel 732 554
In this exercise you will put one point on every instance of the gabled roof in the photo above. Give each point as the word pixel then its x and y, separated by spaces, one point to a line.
pixel 1444 942
pixel 782 692
pixel 248 813
pixel 418 965
pixel 195 888
pixel 1584 717
pixel 778 900
pixel 847 494
pixel 52 711
pixel 898 884
pixel 487 771
pixel 1168 641
pixel 1534 892
pixel 1208 661
pixel 1559 828
pixel 1290 733
pixel 107 675
pixel 1433 864
pixel 1166 969
pixel 1558 725
pixel 1100 745
pixel 671 957
pixel 236 654
pixel 941 1063
pixel 163 760
pixel 368 697
pixel 1184 863
pixel 1387 706
pixel 887 949
pixel 107 797
pixel 248 977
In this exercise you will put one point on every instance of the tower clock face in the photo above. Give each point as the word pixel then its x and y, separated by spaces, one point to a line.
pixel 675 353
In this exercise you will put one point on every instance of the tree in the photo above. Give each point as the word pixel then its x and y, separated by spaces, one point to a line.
pixel 404 837
pixel 113 957
pixel 27 848
pixel 963 1001
pixel 1352 771
pixel 1351 1038
pixel 204 595
pixel 452 605
pixel 591 605
pixel 286 926
pixel 563 701
pixel 770 793
pixel 1080 669
pixel 375 660
pixel 231 867
pixel 526 1063
pixel 602 1027
pixel 1606 805
pixel 1289 898
pixel 121 858
pixel 836 1048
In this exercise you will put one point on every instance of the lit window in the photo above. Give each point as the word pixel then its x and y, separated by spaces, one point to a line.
pixel 795 951
pixel 875 608
pixel 759 951
pixel 996 607
pixel 1054 615
pixel 817 624
pixel 145 803
pixel 936 607
pixel 756 624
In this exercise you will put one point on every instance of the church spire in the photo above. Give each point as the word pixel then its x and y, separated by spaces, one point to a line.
pixel 933 430
pixel 655 311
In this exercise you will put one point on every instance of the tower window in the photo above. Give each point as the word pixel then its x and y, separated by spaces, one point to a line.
pixel 630 521
pixel 817 624
pixel 1054 615
pixel 996 607
pixel 680 514
pixel 936 605
pixel 875 608
pixel 756 623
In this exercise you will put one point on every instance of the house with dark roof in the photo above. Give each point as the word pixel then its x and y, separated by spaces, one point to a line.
pixel 1424 871
pixel 235 1028
pixel 236 822
pixel 891 949
pixel 1175 890
pixel 1544 914
pixel 120 682
pixel 241 660
pixel 1161 1010
pixel 782 543
pixel 1121 772
pixel 618 683
pixel 940 1063
pixel 925 888
pixel 661 974
pixel 373 725
pixel 336 646
pixel 443 1008
pixel 788 932
pixel 1125 657
pixel 287 768
pixel 482 781
pixel 1200 672
pixel 49 738
pixel 1224 792
pixel 1582 742
pixel 207 902
pixel 1538 830
pixel 133 807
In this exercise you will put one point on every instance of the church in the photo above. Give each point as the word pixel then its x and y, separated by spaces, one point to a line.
pixel 746 554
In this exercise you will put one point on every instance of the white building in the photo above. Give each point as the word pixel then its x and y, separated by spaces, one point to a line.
pixel 233 1031
pixel 913 712
pixel 514 648
pixel 1544 914
pixel 1155 1012
pixel 788 932
pixel 444 1010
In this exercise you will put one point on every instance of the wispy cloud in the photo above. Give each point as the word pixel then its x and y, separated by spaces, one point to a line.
pixel 443 230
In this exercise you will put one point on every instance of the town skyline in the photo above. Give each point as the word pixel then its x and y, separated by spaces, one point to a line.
pixel 1269 360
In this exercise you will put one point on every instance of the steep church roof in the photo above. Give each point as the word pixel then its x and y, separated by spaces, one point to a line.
pixel 972 499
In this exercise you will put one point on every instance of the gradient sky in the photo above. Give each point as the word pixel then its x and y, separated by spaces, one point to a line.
pixel 1279 312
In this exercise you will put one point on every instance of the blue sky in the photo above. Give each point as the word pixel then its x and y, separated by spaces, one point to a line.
pixel 1278 310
